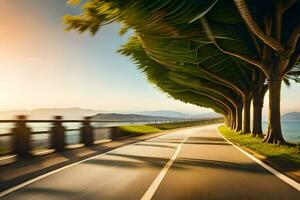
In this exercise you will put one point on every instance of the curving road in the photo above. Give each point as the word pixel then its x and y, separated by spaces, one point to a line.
pixel 193 163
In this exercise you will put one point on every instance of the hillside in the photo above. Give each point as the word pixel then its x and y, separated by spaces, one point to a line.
pixel 79 113
pixel 128 117
pixel 169 113
pixel 48 113
pixel 165 113
pixel 291 116
pixel 207 116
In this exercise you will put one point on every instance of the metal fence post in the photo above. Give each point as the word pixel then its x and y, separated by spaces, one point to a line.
pixel 87 132
pixel 21 137
pixel 58 134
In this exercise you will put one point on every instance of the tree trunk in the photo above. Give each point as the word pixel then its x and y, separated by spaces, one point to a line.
pixel 233 120
pixel 246 116
pixel 257 115
pixel 227 120
pixel 274 134
pixel 239 119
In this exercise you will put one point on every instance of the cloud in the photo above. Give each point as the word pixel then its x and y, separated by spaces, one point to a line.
pixel 34 59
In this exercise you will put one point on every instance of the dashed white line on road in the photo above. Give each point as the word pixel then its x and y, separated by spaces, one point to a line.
pixel 155 184
pixel 26 183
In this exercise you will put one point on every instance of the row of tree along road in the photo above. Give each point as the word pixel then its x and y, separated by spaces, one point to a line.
pixel 220 54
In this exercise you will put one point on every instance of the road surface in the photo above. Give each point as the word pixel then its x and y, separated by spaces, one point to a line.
pixel 193 163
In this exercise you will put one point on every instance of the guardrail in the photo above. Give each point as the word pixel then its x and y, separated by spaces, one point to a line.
pixel 26 135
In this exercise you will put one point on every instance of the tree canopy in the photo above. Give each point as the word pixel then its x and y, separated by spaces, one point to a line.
pixel 221 54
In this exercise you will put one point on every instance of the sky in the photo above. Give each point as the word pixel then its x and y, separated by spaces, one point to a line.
pixel 44 66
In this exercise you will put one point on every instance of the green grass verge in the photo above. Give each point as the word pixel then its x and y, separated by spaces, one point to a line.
pixel 142 129
pixel 167 126
pixel 268 150
pixel 155 128
pixel 3 150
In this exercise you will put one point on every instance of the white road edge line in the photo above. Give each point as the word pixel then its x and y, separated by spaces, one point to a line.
pixel 279 175
pixel 21 185
pixel 155 184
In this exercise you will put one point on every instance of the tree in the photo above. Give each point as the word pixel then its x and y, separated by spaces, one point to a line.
pixel 249 34
pixel 277 51
pixel 174 82
pixel 199 57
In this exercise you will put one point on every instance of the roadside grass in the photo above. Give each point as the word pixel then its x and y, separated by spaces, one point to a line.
pixel 167 126
pixel 3 151
pixel 141 129
pixel 155 128
pixel 268 150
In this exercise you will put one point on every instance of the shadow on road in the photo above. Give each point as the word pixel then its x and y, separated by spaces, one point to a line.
pixel 192 140
pixel 134 161
pixel 154 145
pixel 49 191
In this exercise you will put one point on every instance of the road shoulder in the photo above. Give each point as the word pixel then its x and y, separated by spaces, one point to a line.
pixel 14 172
pixel 289 169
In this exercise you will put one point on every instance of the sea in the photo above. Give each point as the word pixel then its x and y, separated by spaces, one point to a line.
pixel 41 141
pixel 290 130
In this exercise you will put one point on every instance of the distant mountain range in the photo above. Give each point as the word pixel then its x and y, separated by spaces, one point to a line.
pixel 207 115
pixel 165 113
pixel 79 113
pixel 291 116
pixel 129 117
pixel 48 113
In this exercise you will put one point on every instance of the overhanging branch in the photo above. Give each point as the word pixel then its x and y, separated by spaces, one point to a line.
pixel 254 62
pixel 292 42
pixel 246 15
pixel 221 80
pixel 294 55
pixel 287 5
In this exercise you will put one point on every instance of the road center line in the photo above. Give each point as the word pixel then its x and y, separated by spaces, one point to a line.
pixel 155 184
pixel 26 183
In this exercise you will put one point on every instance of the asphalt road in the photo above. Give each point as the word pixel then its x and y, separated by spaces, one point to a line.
pixel 193 163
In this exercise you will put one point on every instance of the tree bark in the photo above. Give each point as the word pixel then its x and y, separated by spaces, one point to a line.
pixel 257 115
pixel 227 120
pixel 239 118
pixel 257 119
pixel 246 116
pixel 233 120
pixel 274 134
